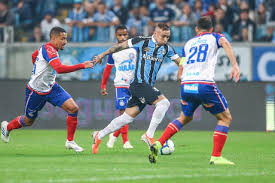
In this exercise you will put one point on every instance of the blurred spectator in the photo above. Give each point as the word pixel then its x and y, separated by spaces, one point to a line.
pixel 48 23
pixel 23 15
pixel 136 23
pixel 269 34
pixel 37 35
pixel 262 15
pixel 6 16
pixel 244 6
pixel 103 19
pixel 219 29
pixel 137 3
pixel 244 36
pixel 198 9
pixel 243 22
pixel 272 17
pixel 120 11
pixel 75 22
pixel 210 11
pixel 220 19
pixel 177 6
pixel 90 12
pixel 186 23
pixel 44 6
pixel 228 11
pixel 161 13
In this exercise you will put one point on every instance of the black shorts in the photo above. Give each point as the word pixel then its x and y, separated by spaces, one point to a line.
pixel 142 94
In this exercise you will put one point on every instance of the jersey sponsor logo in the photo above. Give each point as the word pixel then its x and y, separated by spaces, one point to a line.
pixel 192 73
pixel 191 88
pixel 151 58
pixel 127 64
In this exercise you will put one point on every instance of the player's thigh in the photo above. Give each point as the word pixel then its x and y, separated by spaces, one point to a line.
pixel 61 98
pixel 212 99
pixel 121 98
pixel 132 111
pixel 189 102
pixel 134 106
pixel 145 93
pixel 33 104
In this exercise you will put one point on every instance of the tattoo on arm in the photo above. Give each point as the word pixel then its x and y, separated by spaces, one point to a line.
pixel 116 48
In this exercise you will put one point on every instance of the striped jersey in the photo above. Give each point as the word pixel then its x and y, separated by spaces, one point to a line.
pixel 125 63
pixel 43 74
pixel 200 54
pixel 150 56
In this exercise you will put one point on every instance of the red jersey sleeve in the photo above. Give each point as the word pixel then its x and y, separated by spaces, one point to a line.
pixel 106 74
pixel 56 64
pixel 34 56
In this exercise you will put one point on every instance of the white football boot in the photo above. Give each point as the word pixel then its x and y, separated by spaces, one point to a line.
pixel 74 146
pixel 5 134
pixel 127 145
pixel 111 141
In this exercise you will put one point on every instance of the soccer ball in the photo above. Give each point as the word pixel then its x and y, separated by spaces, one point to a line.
pixel 167 148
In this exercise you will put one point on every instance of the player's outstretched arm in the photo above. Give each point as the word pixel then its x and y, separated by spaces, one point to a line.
pixel 60 68
pixel 113 49
pixel 229 52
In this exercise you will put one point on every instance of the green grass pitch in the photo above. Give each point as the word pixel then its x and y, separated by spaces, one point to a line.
pixel 39 156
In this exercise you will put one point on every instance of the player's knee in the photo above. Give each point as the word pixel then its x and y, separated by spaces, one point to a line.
pixel 127 118
pixel 74 109
pixel 164 103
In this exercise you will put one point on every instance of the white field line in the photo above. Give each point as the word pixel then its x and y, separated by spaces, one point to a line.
pixel 146 177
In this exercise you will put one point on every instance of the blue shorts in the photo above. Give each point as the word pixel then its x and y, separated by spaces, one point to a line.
pixel 35 102
pixel 122 97
pixel 193 95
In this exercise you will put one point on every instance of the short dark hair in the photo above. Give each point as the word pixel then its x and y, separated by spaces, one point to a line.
pixel 121 27
pixel 55 31
pixel 204 23
pixel 163 26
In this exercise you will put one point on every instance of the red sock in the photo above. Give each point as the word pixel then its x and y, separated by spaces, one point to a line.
pixel 14 124
pixel 71 127
pixel 124 133
pixel 170 130
pixel 116 133
pixel 219 139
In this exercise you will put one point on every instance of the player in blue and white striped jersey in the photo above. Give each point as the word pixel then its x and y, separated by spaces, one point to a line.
pixel 151 52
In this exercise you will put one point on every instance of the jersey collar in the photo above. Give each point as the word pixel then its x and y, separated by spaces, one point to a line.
pixel 153 39
pixel 202 33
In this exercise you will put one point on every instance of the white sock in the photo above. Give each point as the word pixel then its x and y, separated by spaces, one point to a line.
pixel 158 114
pixel 115 124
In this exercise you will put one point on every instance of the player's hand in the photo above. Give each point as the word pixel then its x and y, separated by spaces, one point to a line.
pixel 98 59
pixel 235 73
pixel 104 91
pixel 88 64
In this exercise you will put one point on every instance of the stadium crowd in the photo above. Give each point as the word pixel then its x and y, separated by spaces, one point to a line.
pixel 93 20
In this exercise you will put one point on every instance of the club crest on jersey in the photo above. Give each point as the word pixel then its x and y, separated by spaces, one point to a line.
pixel 146 49
pixel 121 103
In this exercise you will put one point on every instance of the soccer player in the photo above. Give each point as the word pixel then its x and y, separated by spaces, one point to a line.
pixel 150 55
pixel 125 63
pixel 199 88
pixel 42 88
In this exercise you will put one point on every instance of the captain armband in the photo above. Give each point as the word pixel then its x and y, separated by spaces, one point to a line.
pixel 182 60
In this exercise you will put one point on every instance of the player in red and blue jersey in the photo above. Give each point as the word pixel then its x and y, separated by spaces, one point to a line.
pixel 125 63
pixel 42 88
pixel 199 88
